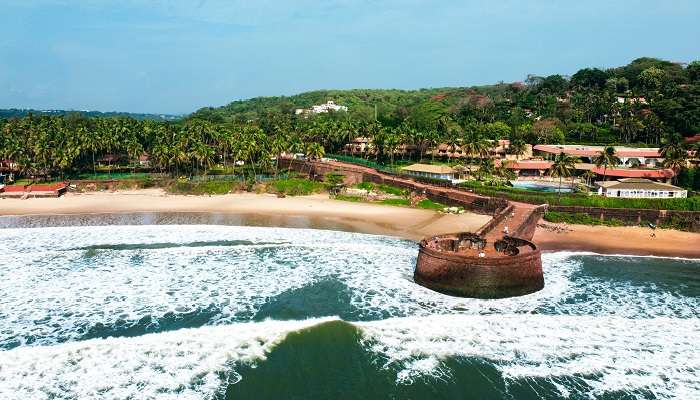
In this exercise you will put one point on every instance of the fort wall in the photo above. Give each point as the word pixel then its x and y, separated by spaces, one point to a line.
pixel 493 276
pixel 444 263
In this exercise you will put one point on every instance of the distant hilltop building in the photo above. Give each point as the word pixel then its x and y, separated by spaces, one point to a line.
pixel 323 108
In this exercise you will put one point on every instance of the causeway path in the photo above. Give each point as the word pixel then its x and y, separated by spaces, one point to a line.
pixel 516 216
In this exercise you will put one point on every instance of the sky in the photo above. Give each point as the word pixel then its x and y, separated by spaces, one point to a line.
pixel 176 56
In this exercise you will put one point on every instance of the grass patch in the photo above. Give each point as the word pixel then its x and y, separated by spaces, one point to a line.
pixel 430 205
pixel 388 189
pixel 201 188
pixel 101 176
pixel 580 219
pixel 297 186
pixel 395 202
pixel 354 199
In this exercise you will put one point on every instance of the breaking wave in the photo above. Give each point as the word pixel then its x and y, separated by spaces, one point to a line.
pixel 196 311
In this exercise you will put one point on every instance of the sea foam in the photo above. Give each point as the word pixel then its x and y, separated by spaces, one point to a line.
pixel 59 284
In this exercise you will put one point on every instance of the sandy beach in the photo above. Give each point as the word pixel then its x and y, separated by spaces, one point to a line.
pixel 320 212
pixel 315 211
pixel 618 240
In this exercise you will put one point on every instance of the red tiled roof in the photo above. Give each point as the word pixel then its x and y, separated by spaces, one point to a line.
pixel 529 165
pixel 635 173
pixel 613 172
pixel 585 151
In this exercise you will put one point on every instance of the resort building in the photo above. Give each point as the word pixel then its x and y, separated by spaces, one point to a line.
pixel 500 149
pixel 359 145
pixel 145 160
pixel 634 188
pixel 529 168
pixel 630 156
pixel 540 168
pixel 431 171
pixel 661 175
pixel 631 100
pixel 8 166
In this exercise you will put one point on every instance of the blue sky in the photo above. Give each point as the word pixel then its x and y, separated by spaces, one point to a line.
pixel 177 56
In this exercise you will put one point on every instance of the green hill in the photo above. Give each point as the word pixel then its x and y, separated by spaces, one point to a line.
pixel 590 97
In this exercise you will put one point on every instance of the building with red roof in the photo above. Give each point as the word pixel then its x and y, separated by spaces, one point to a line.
pixel 630 156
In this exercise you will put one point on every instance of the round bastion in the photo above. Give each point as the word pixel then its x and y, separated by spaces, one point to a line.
pixel 467 265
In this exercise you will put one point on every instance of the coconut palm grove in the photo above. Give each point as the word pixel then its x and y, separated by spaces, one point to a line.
pixel 649 103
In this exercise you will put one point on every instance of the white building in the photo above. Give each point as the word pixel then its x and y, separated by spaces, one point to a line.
pixel 323 108
pixel 639 188
pixel 431 171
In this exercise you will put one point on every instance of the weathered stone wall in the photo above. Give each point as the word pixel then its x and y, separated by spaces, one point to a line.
pixel 448 196
pixel 636 216
pixel 497 219
pixel 481 277
pixel 526 230
pixel 458 273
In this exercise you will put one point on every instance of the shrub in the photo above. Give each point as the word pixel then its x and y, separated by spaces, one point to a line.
pixel 296 186
pixel 201 188
pixel 430 205
pixel 580 219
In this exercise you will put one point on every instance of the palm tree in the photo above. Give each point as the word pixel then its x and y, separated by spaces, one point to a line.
pixel 674 145
pixel 675 157
pixel 607 157
pixel 588 176
pixel 315 151
pixel 391 143
pixel 563 166
pixel 517 148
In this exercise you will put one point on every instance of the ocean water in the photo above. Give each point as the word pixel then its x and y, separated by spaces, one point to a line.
pixel 226 312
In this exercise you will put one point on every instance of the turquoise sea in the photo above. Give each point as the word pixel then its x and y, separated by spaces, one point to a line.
pixel 230 312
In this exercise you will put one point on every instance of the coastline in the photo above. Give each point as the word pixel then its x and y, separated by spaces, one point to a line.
pixel 320 212
pixel 314 211
pixel 623 240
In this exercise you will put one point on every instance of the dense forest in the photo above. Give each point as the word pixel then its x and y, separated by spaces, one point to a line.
pixel 648 102
pixel 638 103
pixel 19 113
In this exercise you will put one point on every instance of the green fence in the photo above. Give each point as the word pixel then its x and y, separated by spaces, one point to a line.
pixel 365 163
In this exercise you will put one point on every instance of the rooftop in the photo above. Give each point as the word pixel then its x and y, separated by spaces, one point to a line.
pixel 627 172
pixel 637 183
pixel 588 151
pixel 431 169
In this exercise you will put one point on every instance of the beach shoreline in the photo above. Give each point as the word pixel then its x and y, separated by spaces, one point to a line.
pixel 622 240
pixel 314 211
pixel 320 212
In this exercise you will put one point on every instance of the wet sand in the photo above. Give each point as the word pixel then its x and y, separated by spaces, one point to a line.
pixel 618 240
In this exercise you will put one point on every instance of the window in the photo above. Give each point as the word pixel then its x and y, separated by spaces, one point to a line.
pixel 670 194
